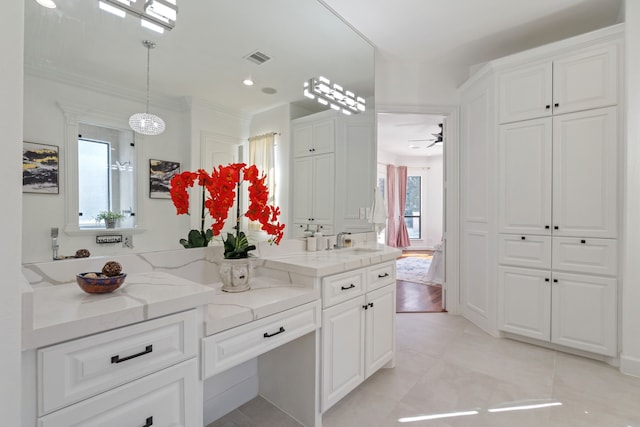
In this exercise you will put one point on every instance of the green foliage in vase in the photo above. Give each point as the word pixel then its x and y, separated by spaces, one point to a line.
pixel 236 247
pixel 197 239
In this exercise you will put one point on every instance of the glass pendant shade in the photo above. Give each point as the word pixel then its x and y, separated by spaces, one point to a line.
pixel 146 123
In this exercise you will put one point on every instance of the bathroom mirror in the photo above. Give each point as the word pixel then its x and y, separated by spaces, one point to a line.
pixel 83 65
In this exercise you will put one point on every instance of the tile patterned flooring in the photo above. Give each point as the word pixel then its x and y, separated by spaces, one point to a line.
pixel 446 364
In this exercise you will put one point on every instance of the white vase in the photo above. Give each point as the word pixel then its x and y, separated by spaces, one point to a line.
pixel 235 274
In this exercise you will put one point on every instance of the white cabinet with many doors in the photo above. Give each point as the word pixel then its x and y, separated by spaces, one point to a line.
pixel 333 161
pixel 358 328
pixel 558 197
pixel 578 81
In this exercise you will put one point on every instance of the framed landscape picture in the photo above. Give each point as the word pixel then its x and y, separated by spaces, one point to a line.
pixel 160 174
pixel 40 168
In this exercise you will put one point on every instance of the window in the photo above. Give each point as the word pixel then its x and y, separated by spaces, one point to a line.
pixel 413 207
pixel 94 192
pixel 106 178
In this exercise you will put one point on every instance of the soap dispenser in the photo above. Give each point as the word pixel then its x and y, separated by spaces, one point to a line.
pixel 319 240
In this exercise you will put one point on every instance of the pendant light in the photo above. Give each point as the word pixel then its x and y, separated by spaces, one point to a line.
pixel 147 123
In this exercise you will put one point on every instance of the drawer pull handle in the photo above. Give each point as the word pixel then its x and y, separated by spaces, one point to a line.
pixel 366 307
pixel 381 276
pixel 583 241
pixel 546 227
pixel 371 304
pixel 344 288
pixel 522 238
pixel 546 279
pixel 268 335
pixel 116 359
pixel 149 422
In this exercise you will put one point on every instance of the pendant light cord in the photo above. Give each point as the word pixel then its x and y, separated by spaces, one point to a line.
pixel 149 46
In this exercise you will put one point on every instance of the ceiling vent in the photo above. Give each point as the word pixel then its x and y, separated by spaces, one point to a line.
pixel 258 57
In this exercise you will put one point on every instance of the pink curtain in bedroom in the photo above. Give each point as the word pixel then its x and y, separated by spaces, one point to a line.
pixel 403 235
pixel 392 236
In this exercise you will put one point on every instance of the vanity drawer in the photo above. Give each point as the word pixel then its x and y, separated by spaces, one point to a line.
pixel 234 346
pixel 343 286
pixel 590 256
pixel 164 399
pixel 381 275
pixel 524 250
pixel 76 370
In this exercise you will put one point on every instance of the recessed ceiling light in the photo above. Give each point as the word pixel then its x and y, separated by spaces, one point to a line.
pixel 247 82
pixel 47 3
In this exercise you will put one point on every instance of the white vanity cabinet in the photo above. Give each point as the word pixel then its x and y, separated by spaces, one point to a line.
pixel 143 374
pixel 579 81
pixel 358 328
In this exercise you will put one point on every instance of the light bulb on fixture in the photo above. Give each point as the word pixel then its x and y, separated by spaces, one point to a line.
pixel 248 81
pixel 147 123
pixel 333 95
pixel 49 4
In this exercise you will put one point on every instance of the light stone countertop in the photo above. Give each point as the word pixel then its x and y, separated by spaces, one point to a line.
pixel 327 262
pixel 267 296
pixel 61 312
pixel 65 311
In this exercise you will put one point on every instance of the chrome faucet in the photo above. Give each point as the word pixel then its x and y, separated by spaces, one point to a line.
pixel 54 242
pixel 340 240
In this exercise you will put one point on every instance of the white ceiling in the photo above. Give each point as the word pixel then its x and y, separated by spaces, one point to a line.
pixel 202 57
pixel 454 35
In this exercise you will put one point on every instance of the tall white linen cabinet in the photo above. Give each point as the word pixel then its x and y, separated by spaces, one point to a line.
pixel 552 137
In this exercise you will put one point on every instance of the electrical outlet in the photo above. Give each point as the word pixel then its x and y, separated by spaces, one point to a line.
pixel 127 242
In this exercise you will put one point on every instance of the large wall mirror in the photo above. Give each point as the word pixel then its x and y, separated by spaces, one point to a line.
pixel 86 66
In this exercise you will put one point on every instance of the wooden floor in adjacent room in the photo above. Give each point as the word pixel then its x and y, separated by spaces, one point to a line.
pixel 416 297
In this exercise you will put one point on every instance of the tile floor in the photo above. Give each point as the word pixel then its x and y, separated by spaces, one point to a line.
pixel 445 364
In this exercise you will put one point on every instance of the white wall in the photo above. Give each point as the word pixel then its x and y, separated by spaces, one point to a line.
pixel 630 357
pixel 11 46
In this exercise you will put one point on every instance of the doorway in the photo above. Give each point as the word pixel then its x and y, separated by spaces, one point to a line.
pixel 416 140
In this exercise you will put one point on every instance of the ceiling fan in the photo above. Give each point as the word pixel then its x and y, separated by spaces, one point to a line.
pixel 437 138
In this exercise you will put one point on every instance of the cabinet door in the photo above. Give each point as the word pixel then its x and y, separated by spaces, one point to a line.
pixel 586 80
pixel 380 328
pixel 169 398
pixel 302 190
pixel 302 140
pixel 525 151
pixel 585 156
pixel 343 331
pixel 324 136
pixel 584 313
pixel 323 189
pixel 525 93
pixel 524 302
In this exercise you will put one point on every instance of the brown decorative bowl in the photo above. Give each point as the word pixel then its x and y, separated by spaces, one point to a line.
pixel 100 284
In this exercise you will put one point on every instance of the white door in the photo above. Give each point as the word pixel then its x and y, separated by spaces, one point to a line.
pixel 323 189
pixel 380 327
pixel 524 156
pixel 302 190
pixel 324 137
pixel 343 332
pixel 525 93
pixel 584 312
pixel 302 140
pixel 524 302
pixel 585 155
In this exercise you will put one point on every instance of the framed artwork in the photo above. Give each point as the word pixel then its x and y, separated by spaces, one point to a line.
pixel 40 168
pixel 160 174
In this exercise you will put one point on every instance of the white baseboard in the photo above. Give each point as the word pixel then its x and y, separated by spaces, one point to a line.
pixel 630 365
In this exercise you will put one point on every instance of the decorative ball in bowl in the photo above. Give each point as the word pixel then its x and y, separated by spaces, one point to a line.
pixel 98 283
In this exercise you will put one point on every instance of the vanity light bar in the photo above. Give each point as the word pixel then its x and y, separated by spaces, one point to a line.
pixel 333 95
pixel 153 13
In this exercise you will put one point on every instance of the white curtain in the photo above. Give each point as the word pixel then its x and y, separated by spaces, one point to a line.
pixel 262 154
pixel 392 236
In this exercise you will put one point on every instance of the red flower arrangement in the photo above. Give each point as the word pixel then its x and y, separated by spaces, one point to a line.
pixel 221 186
